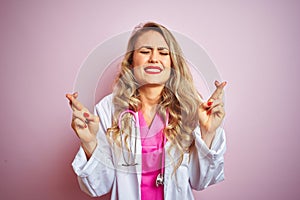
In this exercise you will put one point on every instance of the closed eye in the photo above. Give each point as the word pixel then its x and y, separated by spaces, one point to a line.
pixel 144 52
pixel 164 53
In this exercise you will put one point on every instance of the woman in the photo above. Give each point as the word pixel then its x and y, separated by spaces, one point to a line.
pixel 154 137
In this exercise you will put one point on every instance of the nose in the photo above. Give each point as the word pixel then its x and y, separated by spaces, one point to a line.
pixel 154 56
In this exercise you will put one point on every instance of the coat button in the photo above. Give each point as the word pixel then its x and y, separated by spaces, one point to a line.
pixel 214 156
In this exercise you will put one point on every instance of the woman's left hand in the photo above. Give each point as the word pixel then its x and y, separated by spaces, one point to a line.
pixel 211 113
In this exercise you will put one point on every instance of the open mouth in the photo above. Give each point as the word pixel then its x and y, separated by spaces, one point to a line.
pixel 153 69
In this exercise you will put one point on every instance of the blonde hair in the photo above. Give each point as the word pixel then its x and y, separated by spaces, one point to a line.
pixel 179 96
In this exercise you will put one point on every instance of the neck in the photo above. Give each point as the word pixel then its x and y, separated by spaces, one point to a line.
pixel 150 96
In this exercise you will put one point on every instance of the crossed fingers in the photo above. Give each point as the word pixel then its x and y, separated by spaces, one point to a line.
pixel 218 93
pixel 74 103
pixel 215 104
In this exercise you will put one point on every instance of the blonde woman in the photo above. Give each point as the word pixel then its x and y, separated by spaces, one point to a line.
pixel 153 137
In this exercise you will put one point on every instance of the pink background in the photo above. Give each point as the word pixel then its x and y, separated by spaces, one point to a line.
pixel 255 46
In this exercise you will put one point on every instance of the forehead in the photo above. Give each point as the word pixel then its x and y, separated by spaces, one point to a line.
pixel 151 38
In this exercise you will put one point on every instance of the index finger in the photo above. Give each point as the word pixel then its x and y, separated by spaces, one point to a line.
pixel 75 104
pixel 219 90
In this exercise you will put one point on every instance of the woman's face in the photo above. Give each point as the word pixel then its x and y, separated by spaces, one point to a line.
pixel 151 59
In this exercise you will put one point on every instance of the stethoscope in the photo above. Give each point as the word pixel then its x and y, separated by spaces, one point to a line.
pixel 160 177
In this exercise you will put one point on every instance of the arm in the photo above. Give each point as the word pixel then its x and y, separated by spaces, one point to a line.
pixel 206 165
pixel 94 166
pixel 211 114
pixel 207 159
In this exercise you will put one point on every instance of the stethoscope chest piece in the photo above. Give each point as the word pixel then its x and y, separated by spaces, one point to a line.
pixel 159 180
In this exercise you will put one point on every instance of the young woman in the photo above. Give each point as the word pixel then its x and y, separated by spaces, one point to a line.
pixel 153 137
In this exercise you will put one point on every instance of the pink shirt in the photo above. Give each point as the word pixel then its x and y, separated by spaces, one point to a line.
pixel 152 148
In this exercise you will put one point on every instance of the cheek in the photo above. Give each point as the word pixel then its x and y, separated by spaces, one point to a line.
pixel 167 62
pixel 137 71
pixel 138 60
pixel 169 72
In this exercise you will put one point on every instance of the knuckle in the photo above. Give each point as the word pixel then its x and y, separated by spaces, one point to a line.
pixel 78 122
pixel 75 112
pixel 78 114
pixel 84 109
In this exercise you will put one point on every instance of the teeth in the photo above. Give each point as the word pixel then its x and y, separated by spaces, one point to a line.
pixel 152 70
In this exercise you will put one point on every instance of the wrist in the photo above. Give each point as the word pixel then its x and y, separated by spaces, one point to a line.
pixel 207 136
pixel 89 147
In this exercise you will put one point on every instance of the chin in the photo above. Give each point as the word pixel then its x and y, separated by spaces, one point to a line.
pixel 152 84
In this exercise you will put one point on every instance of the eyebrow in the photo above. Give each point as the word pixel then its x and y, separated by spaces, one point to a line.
pixel 150 47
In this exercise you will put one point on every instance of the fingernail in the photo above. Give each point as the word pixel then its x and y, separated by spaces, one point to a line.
pixel 85 126
pixel 209 103
pixel 86 115
pixel 209 112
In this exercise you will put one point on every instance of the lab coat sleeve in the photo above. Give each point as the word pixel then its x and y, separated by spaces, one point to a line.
pixel 206 165
pixel 96 175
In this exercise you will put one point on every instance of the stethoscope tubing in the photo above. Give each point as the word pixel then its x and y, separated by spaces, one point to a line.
pixel 137 126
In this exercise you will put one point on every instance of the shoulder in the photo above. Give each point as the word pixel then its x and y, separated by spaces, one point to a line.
pixel 105 104
pixel 105 100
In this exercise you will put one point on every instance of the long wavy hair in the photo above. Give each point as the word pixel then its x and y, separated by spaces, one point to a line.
pixel 179 97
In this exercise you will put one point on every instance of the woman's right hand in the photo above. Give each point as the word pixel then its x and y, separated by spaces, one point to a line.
pixel 85 124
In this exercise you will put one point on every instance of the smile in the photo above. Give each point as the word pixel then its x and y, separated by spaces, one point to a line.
pixel 153 69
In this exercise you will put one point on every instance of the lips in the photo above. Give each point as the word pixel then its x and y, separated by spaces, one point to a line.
pixel 153 69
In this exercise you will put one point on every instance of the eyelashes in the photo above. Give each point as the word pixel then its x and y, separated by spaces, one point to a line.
pixel 161 53
pixel 164 53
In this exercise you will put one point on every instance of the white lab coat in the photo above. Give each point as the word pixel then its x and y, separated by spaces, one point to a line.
pixel 104 172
